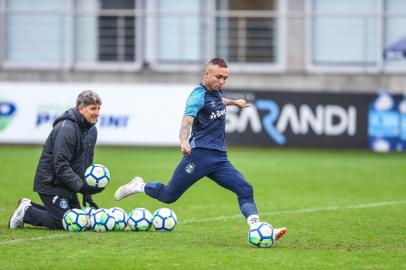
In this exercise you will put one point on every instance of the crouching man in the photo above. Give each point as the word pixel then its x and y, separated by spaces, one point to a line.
pixel 67 152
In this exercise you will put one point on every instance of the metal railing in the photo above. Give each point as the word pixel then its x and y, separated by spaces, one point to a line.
pixel 129 39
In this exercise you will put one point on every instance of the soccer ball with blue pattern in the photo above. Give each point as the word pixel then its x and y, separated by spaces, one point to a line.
pixel 74 220
pixel 164 219
pixel 97 175
pixel 261 234
pixel 140 219
pixel 120 217
pixel 102 221
pixel 88 210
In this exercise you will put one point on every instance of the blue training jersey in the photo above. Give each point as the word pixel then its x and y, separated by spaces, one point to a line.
pixel 209 111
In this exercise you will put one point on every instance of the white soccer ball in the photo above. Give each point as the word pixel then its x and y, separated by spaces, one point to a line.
pixel 120 217
pixel 261 234
pixel 164 219
pixel 88 210
pixel 102 221
pixel 97 175
pixel 140 219
pixel 74 220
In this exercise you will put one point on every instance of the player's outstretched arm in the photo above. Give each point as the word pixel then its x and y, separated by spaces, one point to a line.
pixel 241 103
pixel 184 134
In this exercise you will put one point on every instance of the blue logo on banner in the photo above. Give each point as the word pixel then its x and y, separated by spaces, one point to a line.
pixel 269 120
pixel 7 111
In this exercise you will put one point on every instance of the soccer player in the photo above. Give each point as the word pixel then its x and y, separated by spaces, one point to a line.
pixel 67 152
pixel 202 142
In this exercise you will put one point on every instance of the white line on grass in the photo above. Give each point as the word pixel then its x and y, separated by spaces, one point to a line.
pixel 300 211
pixel 23 240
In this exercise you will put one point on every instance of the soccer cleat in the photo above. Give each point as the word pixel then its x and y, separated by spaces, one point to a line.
pixel 136 185
pixel 280 232
pixel 17 219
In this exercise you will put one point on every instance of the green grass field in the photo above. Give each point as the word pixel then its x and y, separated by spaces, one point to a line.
pixel 344 210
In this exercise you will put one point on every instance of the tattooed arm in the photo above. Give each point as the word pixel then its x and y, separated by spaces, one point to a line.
pixel 184 134
pixel 241 103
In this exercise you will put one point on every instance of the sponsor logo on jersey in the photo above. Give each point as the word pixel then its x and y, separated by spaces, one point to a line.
pixel 218 113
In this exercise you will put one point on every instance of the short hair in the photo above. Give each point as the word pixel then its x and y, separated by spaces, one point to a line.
pixel 217 61
pixel 88 97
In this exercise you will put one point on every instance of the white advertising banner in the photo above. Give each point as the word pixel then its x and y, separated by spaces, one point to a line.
pixel 131 114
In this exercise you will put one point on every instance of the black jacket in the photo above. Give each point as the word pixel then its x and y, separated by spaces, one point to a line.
pixel 67 152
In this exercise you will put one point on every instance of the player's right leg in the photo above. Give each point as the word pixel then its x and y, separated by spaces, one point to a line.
pixel 178 184
pixel 193 167
pixel 136 185
pixel 190 169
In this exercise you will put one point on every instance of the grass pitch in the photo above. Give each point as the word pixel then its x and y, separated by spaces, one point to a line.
pixel 344 210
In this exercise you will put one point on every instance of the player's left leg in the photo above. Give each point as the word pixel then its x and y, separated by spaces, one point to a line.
pixel 227 176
